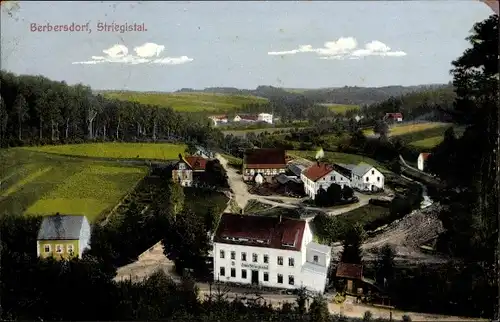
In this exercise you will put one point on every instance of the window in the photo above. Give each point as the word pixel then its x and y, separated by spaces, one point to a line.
pixel 59 249
pixel 254 258
pixel 280 260
pixel 69 248
pixel 315 258
pixel 244 273
pixel 334 178
pixel 291 262
pixel 367 179
pixel 46 248
pixel 233 255
pixel 222 271
pixel 181 166
pixel 291 280
pixel 243 257
pixel 373 171
pixel 378 179
pixel 266 277
pixel 233 272
pixel 221 254
pixel 266 259
pixel 280 279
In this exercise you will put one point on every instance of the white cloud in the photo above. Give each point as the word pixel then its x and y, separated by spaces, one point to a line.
pixel 342 48
pixel 148 53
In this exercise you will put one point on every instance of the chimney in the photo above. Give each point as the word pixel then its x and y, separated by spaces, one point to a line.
pixel 180 156
pixel 280 219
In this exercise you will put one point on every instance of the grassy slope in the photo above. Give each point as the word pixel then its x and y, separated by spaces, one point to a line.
pixel 188 102
pixel 160 151
pixel 37 183
pixel 341 108
pixel 403 129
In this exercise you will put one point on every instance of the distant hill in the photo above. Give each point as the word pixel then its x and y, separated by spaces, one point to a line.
pixel 340 95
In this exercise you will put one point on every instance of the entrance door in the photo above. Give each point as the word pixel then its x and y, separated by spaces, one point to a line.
pixel 255 277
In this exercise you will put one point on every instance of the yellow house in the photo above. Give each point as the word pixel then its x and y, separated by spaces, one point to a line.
pixel 63 236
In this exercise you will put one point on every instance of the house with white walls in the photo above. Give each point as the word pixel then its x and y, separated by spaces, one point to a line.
pixel 422 160
pixel 321 176
pixel 364 177
pixel 265 117
pixel 269 251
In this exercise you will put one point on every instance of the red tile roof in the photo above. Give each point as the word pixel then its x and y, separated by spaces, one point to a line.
pixel 353 271
pixel 425 156
pixel 196 162
pixel 396 115
pixel 264 159
pixel 269 230
pixel 318 171
pixel 249 117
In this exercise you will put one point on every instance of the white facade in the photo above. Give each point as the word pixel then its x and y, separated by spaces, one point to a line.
pixel 367 178
pixel 271 267
pixel 311 187
pixel 237 118
pixel 84 241
pixel 265 117
pixel 421 161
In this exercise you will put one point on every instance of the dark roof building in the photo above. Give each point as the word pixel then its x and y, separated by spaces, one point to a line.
pixel 61 227
pixel 260 231
pixel 264 159
pixel 350 271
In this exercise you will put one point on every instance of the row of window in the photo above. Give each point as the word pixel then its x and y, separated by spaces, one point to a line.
pixel 291 278
pixel 59 248
pixel 255 258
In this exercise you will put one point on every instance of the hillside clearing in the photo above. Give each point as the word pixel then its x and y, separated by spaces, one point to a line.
pixel 156 151
pixel 45 184
pixel 189 102
pixel 341 108
pixel 428 143
pixel 402 129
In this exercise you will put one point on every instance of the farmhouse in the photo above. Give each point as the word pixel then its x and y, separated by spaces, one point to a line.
pixel 395 117
pixel 63 236
pixel 269 251
pixel 185 168
pixel 363 176
pixel 218 119
pixel 266 162
pixel 422 160
pixel 321 176
pixel 265 117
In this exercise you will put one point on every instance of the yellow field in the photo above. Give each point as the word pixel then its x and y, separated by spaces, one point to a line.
pixel 397 130
pixel 89 191
pixel 428 143
pixel 45 183
pixel 189 102
pixel 159 151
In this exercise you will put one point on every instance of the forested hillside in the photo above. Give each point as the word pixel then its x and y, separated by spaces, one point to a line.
pixel 342 95
pixel 36 110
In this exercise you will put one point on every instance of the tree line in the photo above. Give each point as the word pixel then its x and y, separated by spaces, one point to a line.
pixel 37 110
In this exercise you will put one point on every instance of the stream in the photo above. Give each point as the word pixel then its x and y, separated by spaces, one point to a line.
pixel 427 201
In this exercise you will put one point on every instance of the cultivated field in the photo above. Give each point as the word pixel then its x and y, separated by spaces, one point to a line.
pixel 189 102
pixel 38 183
pixel 403 129
pixel 338 157
pixel 159 151
pixel 428 143
pixel 341 108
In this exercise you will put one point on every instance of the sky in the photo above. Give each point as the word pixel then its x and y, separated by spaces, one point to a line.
pixel 306 44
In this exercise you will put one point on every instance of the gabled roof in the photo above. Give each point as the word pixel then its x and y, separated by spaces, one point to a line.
pixel 344 169
pixel 61 227
pixel 260 231
pixel 196 162
pixel 361 169
pixel 318 171
pixel 397 114
pixel 267 158
pixel 353 271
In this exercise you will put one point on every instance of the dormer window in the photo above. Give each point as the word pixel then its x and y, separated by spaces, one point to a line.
pixel 373 171
pixel 182 166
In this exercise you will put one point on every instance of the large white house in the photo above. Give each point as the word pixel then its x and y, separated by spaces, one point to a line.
pixel 265 117
pixel 321 176
pixel 364 176
pixel 269 251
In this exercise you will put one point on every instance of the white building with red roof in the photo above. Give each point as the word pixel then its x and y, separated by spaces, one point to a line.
pixel 185 167
pixel 321 176
pixel 422 160
pixel 270 252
